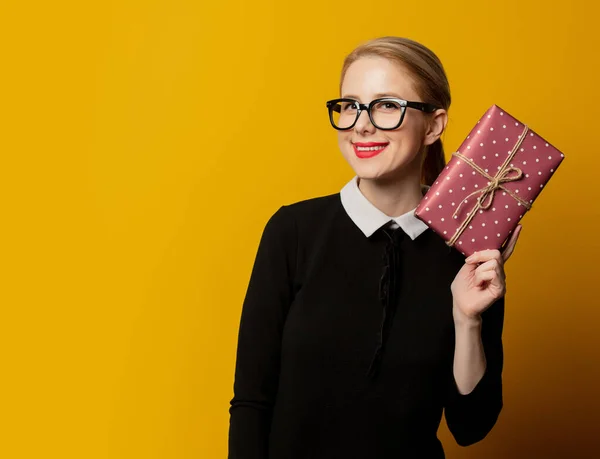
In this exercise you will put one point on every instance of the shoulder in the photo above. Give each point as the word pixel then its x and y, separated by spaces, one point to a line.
pixel 314 206
pixel 302 215
pixel 312 209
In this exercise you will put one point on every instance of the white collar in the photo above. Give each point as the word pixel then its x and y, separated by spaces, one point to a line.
pixel 369 218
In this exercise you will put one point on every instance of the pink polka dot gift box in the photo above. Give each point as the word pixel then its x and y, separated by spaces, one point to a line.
pixel 489 183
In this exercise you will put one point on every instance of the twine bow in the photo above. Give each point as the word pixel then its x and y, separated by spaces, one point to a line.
pixel 486 194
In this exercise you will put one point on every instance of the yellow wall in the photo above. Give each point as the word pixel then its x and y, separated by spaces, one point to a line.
pixel 144 145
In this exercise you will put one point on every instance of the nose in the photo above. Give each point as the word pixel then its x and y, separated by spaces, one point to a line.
pixel 363 123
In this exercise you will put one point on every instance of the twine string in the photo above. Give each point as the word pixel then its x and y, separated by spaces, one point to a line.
pixel 485 199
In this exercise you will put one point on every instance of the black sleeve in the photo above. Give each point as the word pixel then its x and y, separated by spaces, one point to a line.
pixel 265 306
pixel 470 417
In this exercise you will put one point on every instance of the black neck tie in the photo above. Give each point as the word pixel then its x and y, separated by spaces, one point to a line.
pixel 388 292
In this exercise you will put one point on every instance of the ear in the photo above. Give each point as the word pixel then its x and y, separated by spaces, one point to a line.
pixel 436 124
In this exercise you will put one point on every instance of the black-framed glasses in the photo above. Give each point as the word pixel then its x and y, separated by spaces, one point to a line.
pixel 386 113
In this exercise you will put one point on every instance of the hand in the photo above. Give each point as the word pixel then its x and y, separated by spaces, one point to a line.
pixel 481 281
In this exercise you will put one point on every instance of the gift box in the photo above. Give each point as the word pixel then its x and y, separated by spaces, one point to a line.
pixel 489 183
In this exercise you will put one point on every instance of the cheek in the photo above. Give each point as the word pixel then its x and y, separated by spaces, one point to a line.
pixel 407 140
pixel 343 136
pixel 344 142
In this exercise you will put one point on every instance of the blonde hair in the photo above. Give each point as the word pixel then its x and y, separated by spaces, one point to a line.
pixel 430 79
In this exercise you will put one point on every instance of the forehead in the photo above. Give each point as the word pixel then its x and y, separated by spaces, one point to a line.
pixel 369 76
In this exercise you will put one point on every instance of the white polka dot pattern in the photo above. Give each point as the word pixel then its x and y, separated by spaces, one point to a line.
pixel 486 146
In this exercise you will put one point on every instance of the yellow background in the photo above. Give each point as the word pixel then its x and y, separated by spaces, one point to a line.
pixel 145 144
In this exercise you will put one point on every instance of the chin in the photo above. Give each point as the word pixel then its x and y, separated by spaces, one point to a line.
pixel 372 169
pixel 377 174
pixel 381 168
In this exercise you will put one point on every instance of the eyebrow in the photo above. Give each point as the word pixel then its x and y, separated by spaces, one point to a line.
pixel 377 96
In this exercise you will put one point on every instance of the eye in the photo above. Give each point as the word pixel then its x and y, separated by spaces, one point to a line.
pixel 348 106
pixel 387 106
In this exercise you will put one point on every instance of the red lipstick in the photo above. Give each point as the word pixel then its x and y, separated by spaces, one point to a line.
pixel 363 154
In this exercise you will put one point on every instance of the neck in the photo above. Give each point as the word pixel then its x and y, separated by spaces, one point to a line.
pixel 393 197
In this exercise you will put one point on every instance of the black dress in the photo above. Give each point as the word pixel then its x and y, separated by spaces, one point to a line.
pixel 346 344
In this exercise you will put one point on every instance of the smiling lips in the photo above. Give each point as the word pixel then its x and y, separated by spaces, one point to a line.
pixel 368 149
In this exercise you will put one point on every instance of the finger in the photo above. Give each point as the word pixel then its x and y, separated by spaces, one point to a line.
pixel 484 276
pixel 490 265
pixel 510 245
pixel 484 256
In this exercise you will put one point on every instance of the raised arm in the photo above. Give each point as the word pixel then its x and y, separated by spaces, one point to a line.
pixel 472 412
pixel 474 397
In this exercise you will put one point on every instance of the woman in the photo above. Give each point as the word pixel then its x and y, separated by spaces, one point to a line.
pixel 360 326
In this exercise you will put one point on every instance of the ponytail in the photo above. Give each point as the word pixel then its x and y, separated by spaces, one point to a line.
pixel 434 162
